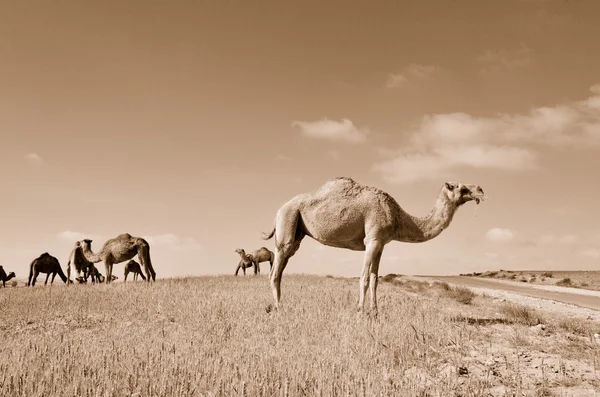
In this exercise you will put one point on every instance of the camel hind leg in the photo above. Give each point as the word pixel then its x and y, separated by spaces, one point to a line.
pixel 47 276
pixel 368 277
pixel 144 257
pixel 288 236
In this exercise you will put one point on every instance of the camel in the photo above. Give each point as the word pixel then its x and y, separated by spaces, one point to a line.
pixel 119 249
pixel 96 276
pixel 246 261
pixel 262 255
pixel 345 214
pixel 48 264
pixel 133 267
pixel 79 262
pixel 5 277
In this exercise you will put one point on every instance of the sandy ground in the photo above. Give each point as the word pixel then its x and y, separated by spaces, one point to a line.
pixel 563 301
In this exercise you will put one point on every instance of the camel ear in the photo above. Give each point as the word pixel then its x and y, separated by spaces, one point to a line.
pixel 450 186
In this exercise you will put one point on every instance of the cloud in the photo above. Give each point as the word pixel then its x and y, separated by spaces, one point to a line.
pixel 282 157
pixel 592 253
pixel 565 239
pixel 495 60
pixel 72 236
pixel 498 235
pixel 492 255
pixel 343 130
pixel 174 242
pixel 411 72
pixel 34 158
pixel 444 142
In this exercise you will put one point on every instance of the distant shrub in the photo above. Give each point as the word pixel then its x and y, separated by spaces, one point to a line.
pixel 585 285
pixel 565 282
pixel 547 274
pixel 460 294
pixel 521 314
pixel 577 326
pixel 388 278
pixel 513 277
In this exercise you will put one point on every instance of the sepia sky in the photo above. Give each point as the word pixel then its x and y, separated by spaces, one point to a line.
pixel 191 122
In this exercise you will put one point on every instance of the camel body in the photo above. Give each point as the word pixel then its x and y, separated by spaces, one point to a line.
pixel 48 264
pixel 79 262
pixel 345 214
pixel 133 267
pixel 5 277
pixel 246 261
pixel 262 254
pixel 120 249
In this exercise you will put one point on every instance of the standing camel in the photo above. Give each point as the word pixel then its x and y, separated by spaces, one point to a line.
pixel 262 255
pixel 48 264
pixel 133 267
pixel 77 259
pixel 5 277
pixel 119 249
pixel 246 261
pixel 345 214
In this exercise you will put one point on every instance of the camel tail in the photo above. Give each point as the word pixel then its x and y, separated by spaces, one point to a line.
pixel 266 236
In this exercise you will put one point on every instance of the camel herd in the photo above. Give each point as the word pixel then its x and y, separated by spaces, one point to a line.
pixel 341 213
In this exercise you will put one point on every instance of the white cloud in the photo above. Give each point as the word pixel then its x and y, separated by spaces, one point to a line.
pixel 494 60
pixel 72 236
pixel 565 239
pixel 174 242
pixel 282 157
pixel 444 142
pixel 34 158
pixel 343 130
pixel 411 72
pixel 592 253
pixel 492 255
pixel 498 235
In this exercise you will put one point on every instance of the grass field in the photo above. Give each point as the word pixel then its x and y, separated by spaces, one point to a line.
pixel 584 279
pixel 212 336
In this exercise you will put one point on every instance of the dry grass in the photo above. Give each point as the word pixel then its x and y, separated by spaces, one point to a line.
pixel 565 282
pixel 522 314
pixel 216 336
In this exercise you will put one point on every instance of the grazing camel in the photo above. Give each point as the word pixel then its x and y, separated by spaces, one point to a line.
pixel 133 267
pixel 48 264
pixel 119 249
pixel 246 261
pixel 79 262
pixel 5 277
pixel 96 276
pixel 262 255
pixel 345 214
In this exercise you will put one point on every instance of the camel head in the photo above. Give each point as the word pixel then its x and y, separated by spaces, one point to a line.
pixel 459 193
pixel 240 251
pixel 11 275
pixel 84 243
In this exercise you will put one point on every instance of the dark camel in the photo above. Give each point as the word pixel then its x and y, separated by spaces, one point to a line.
pixel 48 264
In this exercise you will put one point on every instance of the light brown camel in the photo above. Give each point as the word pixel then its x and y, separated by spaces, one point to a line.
pixel 48 264
pixel 5 277
pixel 133 267
pixel 345 214
pixel 262 255
pixel 246 261
pixel 120 249
pixel 79 262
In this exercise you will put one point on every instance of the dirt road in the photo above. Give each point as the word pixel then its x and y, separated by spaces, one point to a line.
pixel 574 296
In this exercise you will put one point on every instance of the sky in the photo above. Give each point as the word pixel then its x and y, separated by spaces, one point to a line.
pixel 189 123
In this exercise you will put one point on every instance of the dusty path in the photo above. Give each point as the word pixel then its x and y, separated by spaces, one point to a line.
pixel 574 296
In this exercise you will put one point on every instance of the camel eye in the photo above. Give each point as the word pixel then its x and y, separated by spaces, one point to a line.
pixel 464 190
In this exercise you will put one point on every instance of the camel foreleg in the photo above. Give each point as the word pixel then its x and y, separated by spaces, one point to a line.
pixel 368 277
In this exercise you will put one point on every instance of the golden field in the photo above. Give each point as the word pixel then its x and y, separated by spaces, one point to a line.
pixel 213 336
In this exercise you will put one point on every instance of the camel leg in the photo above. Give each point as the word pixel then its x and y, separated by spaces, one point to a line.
pixel 108 266
pixel 282 255
pixel 126 274
pixel 35 276
pixel 47 275
pixel 68 273
pixel 144 257
pixel 237 269
pixel 370 266
pixel 52 280
pixel 256 268
pixel 244 269
pixel 140 274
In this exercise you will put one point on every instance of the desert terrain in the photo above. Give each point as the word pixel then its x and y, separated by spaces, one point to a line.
pixel 209 336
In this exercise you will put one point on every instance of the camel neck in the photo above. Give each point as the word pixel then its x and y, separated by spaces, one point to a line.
pixel 434 223
pixel 89 255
